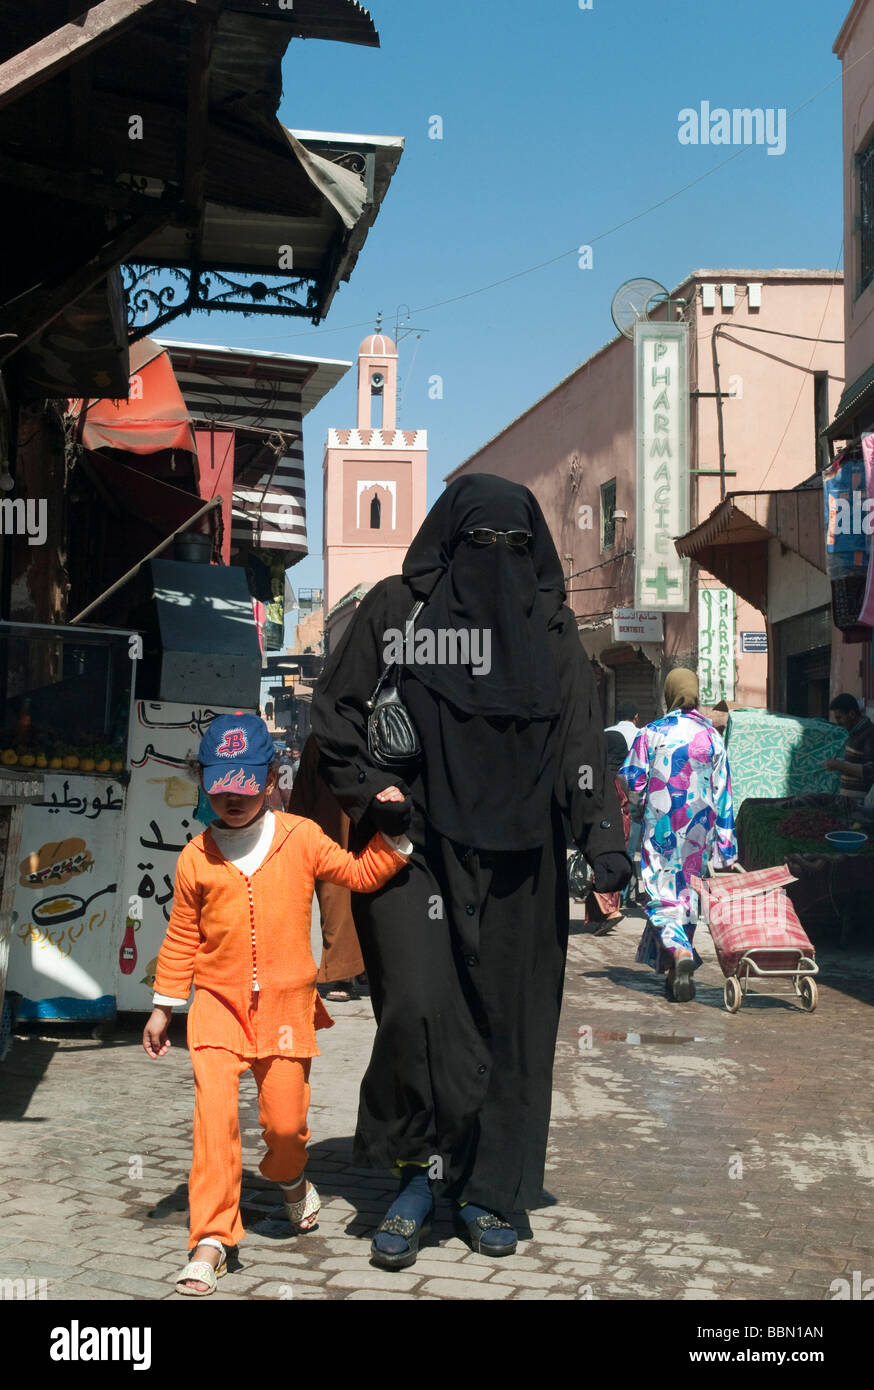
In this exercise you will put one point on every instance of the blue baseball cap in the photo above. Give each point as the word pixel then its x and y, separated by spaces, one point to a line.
pixel 236 752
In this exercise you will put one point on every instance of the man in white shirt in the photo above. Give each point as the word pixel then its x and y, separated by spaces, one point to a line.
pixel 627 715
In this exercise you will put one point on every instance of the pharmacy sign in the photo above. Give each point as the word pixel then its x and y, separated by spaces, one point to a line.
pixel 661 409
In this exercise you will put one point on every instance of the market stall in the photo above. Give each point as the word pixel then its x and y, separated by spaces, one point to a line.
pixel 834 889
pixel 786 802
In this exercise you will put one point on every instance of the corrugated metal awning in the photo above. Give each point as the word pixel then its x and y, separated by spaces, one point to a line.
pixel 793 516
pixel 858 395
pixel 732 542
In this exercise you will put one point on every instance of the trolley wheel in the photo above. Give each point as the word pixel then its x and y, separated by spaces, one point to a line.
pixel 732 994
pixel 808 992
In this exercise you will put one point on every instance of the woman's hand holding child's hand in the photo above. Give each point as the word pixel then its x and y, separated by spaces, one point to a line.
pixel 390 794
pixel 391 811
pixel 155 1039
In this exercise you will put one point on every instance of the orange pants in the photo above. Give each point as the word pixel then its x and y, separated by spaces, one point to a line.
pixel 217 1167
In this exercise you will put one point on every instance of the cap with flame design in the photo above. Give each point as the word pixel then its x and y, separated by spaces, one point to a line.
pixel 235 753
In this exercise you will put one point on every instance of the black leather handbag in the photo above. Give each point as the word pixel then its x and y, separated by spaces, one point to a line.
pixel 392 739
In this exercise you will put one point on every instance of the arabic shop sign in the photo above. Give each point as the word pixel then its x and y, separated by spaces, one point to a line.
pixel 629 625
pixel 661 416
pixel 716 621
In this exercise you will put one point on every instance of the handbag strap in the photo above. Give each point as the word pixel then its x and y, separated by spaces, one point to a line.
pixel 409 626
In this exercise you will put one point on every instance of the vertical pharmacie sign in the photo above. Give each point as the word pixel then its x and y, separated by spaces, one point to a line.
pixel 716 622
pixel 661 413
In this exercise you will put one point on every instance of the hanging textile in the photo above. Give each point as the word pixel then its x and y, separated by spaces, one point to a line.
pixel 847 485
pixel 866 616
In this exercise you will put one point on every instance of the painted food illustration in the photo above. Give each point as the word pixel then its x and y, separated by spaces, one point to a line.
pixel 149 977
pixel 127 955
pixel 55 862
pixel 65 906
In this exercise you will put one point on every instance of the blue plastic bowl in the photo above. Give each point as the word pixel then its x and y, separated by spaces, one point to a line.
pixel 847 840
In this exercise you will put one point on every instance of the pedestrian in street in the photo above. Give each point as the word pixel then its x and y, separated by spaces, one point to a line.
pixel 603 910
pixel 856 766
pixel 240 930
pixel 341 954
pixel 627 717
pixel 679 785
pixel 465 952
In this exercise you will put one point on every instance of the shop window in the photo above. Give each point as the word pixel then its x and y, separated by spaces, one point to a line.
pixel 608 514
pixel 65 696
pixel 865 163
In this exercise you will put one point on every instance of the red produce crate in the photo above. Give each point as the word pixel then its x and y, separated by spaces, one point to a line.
pixel 750 912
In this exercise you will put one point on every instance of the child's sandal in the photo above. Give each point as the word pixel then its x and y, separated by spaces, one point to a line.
pixel 204 1273
pixel 309 1205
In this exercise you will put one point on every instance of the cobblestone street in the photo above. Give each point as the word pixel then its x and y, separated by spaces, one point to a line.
pixel 693 1155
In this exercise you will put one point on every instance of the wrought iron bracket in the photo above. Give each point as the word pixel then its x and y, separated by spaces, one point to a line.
pixel 199 290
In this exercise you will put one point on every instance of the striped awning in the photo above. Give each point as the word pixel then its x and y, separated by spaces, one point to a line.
pixel 263 397
pixel 269 513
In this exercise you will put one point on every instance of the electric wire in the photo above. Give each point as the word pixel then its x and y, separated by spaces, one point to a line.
pixel 574 251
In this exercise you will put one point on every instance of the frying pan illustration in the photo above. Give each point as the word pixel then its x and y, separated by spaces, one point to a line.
pixel 63 907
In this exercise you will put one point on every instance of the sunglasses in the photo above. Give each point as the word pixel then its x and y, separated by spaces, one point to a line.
pixel 484 535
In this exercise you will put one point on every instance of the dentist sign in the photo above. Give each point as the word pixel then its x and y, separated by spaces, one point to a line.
pixel 661 409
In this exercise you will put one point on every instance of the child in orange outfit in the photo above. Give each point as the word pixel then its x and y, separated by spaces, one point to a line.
pixel 240 930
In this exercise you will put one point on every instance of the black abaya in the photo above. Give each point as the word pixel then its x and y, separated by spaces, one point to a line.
pixel 465 947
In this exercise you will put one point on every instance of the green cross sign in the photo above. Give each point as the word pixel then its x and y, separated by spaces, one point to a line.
pixel 662 584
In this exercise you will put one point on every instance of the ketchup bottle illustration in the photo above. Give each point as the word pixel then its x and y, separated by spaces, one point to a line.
pixel 127 955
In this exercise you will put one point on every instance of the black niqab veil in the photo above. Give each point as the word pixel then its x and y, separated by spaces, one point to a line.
pixel 503 594
pixel 489 757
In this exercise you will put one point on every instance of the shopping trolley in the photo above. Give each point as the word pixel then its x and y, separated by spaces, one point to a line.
pixel 756 933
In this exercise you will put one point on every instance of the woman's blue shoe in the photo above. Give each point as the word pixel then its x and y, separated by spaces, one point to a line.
pixel 407 1222
pixel 396 1243
pixel 485 1232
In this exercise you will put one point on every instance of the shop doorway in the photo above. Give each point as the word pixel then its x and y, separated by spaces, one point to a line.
pixel 807 684
pixel 634 678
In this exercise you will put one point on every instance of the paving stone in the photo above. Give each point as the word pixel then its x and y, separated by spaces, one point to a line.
pixel 525 1279
pixel 359 1294
pixel 131 1284
pixel 465 1288
pixel 402 1280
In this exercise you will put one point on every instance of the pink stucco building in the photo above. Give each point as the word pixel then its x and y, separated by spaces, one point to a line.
pixel 375 482
pixel 771 341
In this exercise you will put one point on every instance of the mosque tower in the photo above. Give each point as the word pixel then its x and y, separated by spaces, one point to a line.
pixel 375 483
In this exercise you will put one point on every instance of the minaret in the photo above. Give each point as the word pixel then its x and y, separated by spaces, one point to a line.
pixel 374 480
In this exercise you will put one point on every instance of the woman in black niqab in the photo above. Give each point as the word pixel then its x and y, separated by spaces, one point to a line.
pixel 465 947
pixel 492 783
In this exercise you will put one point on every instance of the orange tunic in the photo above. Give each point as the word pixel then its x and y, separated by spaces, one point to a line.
pixel 223 919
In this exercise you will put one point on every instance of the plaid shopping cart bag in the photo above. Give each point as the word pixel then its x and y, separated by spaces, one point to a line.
pixel 751 911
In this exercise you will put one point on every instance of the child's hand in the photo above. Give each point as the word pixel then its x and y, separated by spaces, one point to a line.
pixel 155 1039
pixel 390 794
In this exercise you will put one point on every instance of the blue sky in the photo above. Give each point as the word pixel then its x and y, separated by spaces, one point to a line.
pixel 558 125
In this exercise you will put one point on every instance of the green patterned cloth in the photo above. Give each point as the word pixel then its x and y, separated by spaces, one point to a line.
pixel 777 755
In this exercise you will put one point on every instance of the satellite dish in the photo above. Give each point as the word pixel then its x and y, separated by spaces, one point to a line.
pixel 633 301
